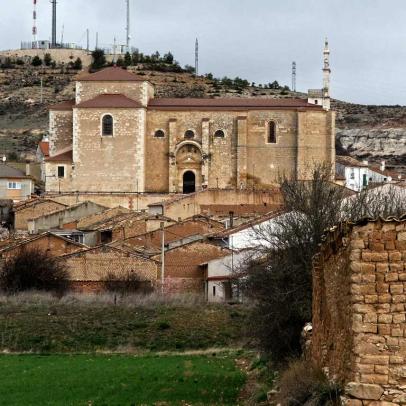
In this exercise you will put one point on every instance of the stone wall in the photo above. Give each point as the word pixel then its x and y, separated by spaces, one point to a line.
pixel 359 329
pixel 60 130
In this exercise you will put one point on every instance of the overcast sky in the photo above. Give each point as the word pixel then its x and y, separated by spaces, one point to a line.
pixel 254 39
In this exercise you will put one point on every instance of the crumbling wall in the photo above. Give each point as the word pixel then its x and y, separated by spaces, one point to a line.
pixel 373 364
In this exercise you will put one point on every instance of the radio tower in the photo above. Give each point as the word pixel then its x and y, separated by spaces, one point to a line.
pixel 53 41
pixel 128 26
pixel 197 57
pixel 34 25
pixel 294 76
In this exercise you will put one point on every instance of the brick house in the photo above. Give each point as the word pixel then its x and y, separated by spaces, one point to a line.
pixel 15 184
pixel 54 245
pixel 117 137
pixel 89 269
pixel 29 209
pixel 183 266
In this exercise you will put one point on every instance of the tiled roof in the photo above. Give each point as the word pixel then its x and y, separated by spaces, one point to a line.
pixel 349 161
pixel 33 202
pixel 231 104
pixel 102 220
pixel 110 101
pixel 394 175
pixel 112 74
pixel 176 232
pixel 237 209
pixel 7 171
pixel 62 156
pixel 44 147
pixel 66 105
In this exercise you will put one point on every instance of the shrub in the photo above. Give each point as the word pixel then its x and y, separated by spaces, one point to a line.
pixel 99 59
pixel 302 383
pixel 36 61
pixel 33 269
pixel 47 59
pixel 124 284
pixel 77 64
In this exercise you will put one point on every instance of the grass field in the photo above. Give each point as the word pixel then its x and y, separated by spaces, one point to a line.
pixel 47 325
pixel 31 380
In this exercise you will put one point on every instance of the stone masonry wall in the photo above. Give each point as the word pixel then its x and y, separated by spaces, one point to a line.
pixel 60 130
pixel 373 257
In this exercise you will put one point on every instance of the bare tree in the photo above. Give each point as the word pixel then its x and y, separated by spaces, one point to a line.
pixel 279 277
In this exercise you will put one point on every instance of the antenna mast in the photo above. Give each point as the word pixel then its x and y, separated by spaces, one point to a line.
pixel 128 26
pixel 197 57
pixel 34 25
pixel 294 76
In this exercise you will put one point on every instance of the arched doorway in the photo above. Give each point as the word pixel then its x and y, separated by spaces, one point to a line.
pixel 189 182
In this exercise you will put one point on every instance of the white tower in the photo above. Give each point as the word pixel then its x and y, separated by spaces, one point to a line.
pixel 326 76
pixel 128 39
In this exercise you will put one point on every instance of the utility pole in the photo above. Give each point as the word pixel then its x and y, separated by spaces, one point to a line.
pixel 162 256
pixel 197 57
pixel 294 76
pixel 42 91
pixel 34 24
pixel 87 39
pixel 63 29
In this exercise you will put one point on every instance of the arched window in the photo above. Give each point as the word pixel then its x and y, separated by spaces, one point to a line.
pixel 189 134
pixel 219 134
pixel 107 125
pixel 272 132
pixel 159 134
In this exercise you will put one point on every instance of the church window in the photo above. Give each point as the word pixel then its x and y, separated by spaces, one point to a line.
pixel 61 171
pixel 107 125
pixel 271 132
pixel 189 134
pixel 219 134
pixel 159 134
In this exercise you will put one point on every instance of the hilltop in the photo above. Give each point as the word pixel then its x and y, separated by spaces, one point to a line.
pixel 369 132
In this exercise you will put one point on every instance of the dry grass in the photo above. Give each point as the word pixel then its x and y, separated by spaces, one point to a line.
pixel 104 299
pixel 302 383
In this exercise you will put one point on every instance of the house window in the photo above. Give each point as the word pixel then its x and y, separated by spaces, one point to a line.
pixel 14 185
pixel 107 125
pixel 159 134
pixel 189 135
pixel 219 134
pixel 214 290
pixel 61 171
pixel 272 132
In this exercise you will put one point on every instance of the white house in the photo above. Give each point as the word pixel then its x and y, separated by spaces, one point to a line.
pixel 355 172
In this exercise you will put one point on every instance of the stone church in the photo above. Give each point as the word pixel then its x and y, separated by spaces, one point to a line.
pixel 117 137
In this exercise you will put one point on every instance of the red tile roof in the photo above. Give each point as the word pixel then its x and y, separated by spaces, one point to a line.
pixel 112 74
pixel 64 106
pixel 62 156
pixel 231 104
pixel 44 147
pixel 349 161
pixel 107 100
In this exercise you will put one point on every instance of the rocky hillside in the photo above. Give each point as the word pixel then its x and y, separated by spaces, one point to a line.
pixel 369 132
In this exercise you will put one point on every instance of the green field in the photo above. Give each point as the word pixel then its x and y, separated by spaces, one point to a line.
pixel 31 380
pixel 52 326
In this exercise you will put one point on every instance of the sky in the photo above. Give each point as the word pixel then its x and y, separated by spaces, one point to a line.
pixel 256 40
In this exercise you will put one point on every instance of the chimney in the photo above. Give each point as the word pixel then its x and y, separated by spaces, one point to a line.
pixel 231 219
pixel 365 162
pixel 383 165
pixel 27 169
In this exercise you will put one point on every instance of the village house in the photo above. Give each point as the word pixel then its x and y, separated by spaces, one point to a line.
pixel 15 184
pixel 65 217
pixel 115 136
pixel 90 269
pixel 183 266
pixel 33 208
pixel 41 155
pixel 52 244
